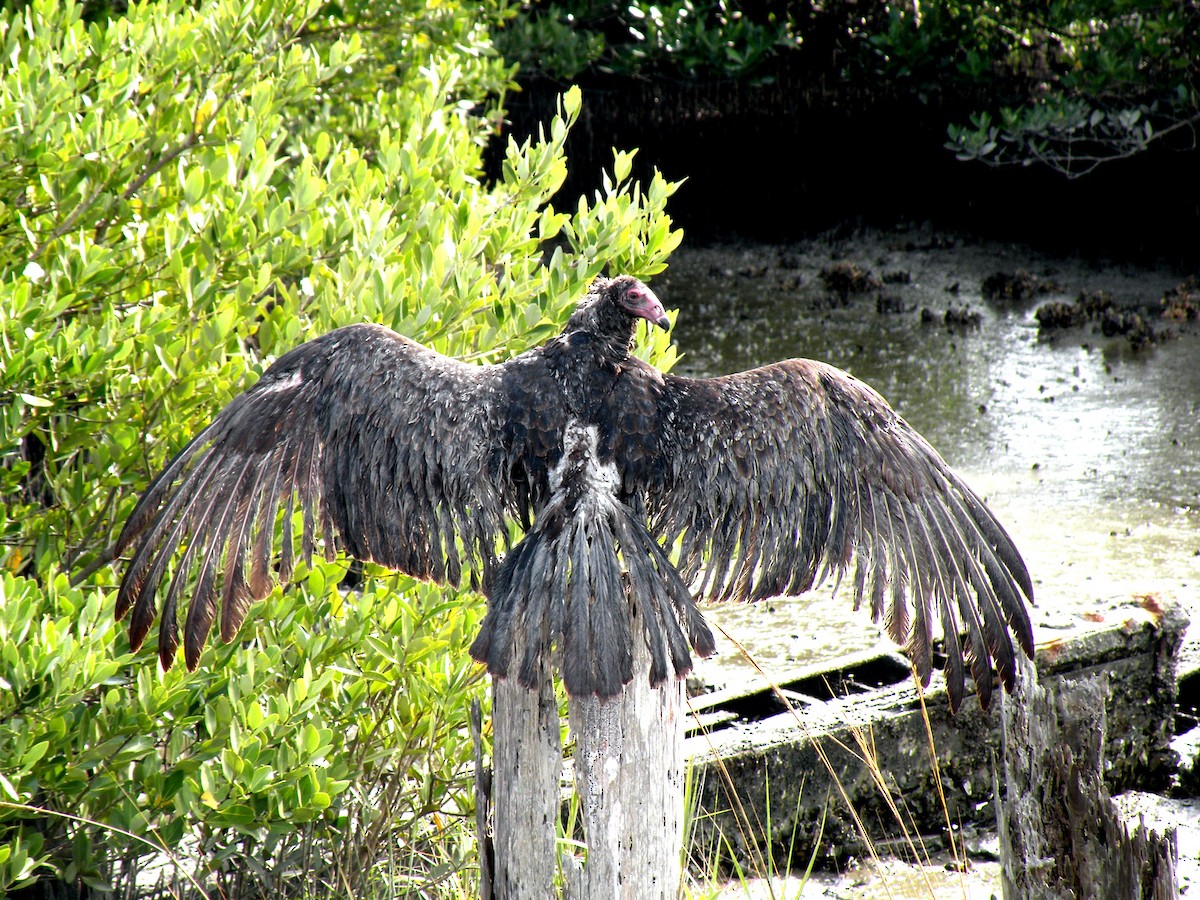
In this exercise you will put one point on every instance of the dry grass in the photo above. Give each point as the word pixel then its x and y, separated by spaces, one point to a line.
pixel 718 872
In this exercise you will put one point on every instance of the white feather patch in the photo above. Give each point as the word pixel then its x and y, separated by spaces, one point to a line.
pixel 581 469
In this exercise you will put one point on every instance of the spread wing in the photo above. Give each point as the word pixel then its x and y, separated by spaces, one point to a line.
pixel 784 474
pixel 371 443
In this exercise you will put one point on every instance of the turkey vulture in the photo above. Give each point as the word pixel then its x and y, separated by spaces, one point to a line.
pixel 636 491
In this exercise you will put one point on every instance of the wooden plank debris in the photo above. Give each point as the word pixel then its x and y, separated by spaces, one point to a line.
pixel 869 750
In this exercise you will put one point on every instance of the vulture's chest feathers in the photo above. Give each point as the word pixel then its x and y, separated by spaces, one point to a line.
pixel 585 372
pixel 608 435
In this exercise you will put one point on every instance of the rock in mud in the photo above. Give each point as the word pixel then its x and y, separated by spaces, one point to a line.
pixel 845 278
pixel 1182 302
pixel 1019 285
pixel 1098 307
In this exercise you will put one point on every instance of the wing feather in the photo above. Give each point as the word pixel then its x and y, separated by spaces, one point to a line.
pixel 263 521
pixel 375 443
pixel 203 608
pixel 942 592
pixel 787 474
pixel 919 631
pixel 149 565
pixel 236 593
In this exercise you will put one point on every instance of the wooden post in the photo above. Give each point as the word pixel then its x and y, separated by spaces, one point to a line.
pixel 1060 833
pixel 629 778
pixel 629 775
pixel 526 800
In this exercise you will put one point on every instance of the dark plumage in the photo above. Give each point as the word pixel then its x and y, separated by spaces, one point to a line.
pixel 636 490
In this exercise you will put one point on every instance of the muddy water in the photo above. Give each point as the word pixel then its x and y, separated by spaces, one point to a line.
pixel 1088 450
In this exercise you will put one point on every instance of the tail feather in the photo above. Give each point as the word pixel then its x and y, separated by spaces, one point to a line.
pixel 579 584
pixel 665 600
pixel 644 588
pixel 497 625
pixel 532 620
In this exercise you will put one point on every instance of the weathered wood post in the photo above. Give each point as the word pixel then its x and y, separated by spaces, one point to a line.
pixel 526 800
pixel 629 775
pixel 1061 836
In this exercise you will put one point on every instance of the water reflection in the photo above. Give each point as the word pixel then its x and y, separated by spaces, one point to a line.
pixel 1088 452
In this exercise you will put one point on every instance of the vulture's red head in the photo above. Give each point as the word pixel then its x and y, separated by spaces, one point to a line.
pixel 638 300
pixel 611 307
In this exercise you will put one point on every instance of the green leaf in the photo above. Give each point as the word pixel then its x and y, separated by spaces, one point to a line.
pixel 311 740
pixel 193 186
pixel 34 753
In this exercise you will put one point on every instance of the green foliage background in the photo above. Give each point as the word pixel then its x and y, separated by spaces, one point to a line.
pixel 186 191
pixel 1066 83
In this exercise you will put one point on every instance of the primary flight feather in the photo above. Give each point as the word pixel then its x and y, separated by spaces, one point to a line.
pixel 638 493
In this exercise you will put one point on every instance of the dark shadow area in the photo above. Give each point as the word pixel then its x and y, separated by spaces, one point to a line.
pixel 861 678
pixel 875 673
pixel 1187 711
pixel 788 159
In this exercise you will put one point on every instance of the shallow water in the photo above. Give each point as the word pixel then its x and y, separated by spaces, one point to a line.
pixel 1088 451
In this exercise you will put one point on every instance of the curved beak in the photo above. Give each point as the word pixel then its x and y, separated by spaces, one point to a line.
pixel 647 305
